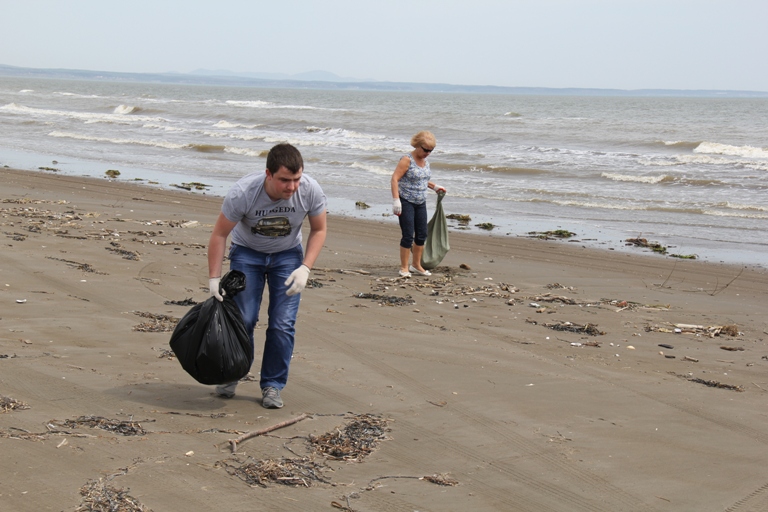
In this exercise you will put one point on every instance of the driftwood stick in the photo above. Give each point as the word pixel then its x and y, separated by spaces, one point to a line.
pixel 256 433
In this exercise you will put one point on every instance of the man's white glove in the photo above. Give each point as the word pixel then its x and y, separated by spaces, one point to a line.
pixel 297 280
pixel 439 188
pixel 397 207
pixel 213 286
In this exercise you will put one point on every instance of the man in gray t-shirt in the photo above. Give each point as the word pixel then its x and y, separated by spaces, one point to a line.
pixel 264 212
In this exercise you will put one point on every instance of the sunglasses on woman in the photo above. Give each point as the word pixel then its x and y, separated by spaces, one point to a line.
pixel 426 150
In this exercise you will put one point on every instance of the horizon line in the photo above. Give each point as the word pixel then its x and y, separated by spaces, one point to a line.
pixel 243 79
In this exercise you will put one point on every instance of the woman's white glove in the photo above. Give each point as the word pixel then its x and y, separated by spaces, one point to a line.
pixel 213 286
pixel 297 280
pixel 397 207
pixel 438 188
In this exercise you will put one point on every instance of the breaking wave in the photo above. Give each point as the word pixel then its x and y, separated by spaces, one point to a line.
pixel 156 143
pixel 682 144
pixel 227 124
pixel 374 169
pixel 636 179
pixel 714 148
pixel 269 105
pixel 126 109
pixel 246 152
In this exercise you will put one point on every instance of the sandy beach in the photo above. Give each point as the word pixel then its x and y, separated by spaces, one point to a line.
pixel 524 375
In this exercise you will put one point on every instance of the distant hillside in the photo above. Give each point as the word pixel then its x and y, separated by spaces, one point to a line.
pixel 311 76
pixel 329 81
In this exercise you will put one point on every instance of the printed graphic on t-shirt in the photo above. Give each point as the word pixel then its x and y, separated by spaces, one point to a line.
pixel 272 226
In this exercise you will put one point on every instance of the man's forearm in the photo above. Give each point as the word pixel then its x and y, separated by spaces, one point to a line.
pixel 216 248
pixel 315 243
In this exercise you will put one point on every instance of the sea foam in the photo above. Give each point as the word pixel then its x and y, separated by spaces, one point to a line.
pixel 635 179
pixel 125 109
pixel 80 136
pixel 725 149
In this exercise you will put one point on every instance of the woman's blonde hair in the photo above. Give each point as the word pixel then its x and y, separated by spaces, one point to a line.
pixel 423 137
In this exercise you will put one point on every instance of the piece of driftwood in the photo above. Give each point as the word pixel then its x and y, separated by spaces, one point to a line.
pixel 256 433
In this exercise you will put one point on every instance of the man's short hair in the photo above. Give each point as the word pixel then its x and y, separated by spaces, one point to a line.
pixel 284 155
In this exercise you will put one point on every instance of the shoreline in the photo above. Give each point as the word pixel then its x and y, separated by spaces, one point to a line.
pixel 485 375
pixel 586 234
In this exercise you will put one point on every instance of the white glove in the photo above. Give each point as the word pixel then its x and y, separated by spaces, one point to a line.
pixel 213 286
pixel 439 188
pixel 397 207
pixel 297 280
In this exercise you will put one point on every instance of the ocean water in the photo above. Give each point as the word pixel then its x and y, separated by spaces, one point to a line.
pixel 688 173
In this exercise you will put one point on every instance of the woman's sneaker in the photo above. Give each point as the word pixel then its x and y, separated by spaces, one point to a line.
pixel 271 398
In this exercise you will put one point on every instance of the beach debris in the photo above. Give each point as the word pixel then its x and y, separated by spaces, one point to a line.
pixel 184 302
pixel 233 442
pixel 314 283
pixel 441 479
pixel 112 173
pixel 117 248
pixel 691 359
pixel 717 286
pixel 711 331
pixel 684 256
pixel 590 329
pixel 550 235
pixel 548 297
pixel 21 301
pixel 16 237
pixel 361 205
pixel 710 383
pixel 664 345
pixel 299 472
pixel 558 286
pixel 151 281
pixel 98 496
pixel 53 169
pixel 488 226
pixel 359 272
pixel 463 219
pixel 124 428
pixel 85 267
pixel 11 404
pixel 732 349
pixel 464 266
pixel 196 185
pixel 156 323
pixel 388 300
pixel 642 242
pixel 354 441
pixel 165 353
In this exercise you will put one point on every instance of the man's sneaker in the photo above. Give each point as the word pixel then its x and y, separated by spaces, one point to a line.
pixel 226 390
pixel 271 398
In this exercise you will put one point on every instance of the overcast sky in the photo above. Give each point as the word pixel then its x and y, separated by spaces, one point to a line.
pixel 623 44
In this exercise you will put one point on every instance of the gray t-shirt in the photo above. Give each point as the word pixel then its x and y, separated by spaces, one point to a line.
pixel 270 226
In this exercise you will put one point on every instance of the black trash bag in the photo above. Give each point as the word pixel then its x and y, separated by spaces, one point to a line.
pixel 211 341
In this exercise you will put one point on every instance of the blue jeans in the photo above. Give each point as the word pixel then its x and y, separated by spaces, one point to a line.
pixel 271 269
pixel 413 221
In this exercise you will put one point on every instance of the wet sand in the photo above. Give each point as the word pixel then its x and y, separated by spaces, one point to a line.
pixel 572 404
